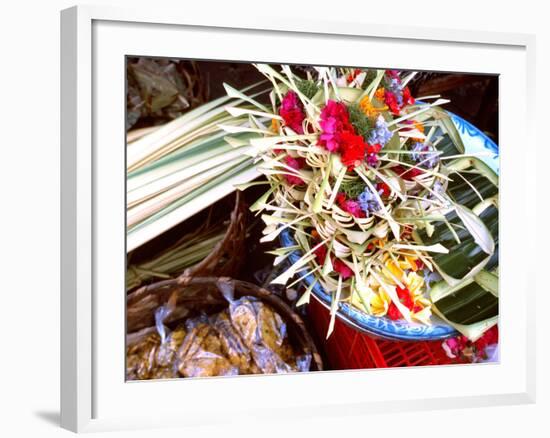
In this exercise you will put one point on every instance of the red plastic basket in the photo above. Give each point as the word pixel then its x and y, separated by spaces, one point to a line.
pixel 348 348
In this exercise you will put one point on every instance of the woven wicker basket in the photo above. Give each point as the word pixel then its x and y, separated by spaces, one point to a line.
pixel 225 259
pixel 197 294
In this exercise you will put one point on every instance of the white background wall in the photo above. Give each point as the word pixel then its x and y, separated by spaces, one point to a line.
pixel 29 214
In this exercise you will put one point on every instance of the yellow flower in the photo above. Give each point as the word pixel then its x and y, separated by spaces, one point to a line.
pixel 275 125
pixel 395 269
pixel 369 109
pixel 420 127
pixel 379 94
pixel 380 303
pixel 411 261
pixel 415 283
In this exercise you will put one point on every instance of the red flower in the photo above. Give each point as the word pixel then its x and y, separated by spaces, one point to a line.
pixel 407 98
pixel 393 312
pixel 341 199
pixel 334 122
pixel 392 103
pixel 386 191
pixel 492 335
pixel 343 269
pixel 353 149
pixel 338 265
pixel 407 174
pixel 373 148
pixel 404 298
pixel 321 254
pixel 468 351
pixel 489 337
pixel 292 112
pixel 353 75
pixel 338 135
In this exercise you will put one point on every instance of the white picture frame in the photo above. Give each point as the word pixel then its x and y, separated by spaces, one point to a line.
pixel 94 396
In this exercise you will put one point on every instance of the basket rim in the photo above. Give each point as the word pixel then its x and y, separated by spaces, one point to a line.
pixel 243 288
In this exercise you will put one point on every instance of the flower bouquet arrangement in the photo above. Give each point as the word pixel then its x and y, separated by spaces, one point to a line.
pixel 389 213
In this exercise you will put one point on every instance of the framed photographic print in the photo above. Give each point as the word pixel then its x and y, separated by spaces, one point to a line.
pixel 333 218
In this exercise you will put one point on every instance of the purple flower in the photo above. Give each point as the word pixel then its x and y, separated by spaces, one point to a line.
pixel 396 88
pixel 438 187
pixel 368 202
pixel 425 154
pixel 380 134
pixel 430 277
pixel 372 160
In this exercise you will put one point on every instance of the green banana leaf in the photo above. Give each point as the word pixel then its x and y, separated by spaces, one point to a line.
pixel 448 127
pixel 467 297
pixel 465 257
pixel 471 306
pixel 468 253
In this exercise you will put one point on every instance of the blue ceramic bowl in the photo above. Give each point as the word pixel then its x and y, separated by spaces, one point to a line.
pixel 474 141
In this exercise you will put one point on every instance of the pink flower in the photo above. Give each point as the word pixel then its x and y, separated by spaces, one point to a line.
pixel 353 208
pixel 329 136
pixel 297 164
pixel 292 112
pixel 334 122
pixel 350 206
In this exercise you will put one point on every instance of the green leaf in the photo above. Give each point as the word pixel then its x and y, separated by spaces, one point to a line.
pixel 470 306
pixel 259 203
pixel 448 126
pixel 237 94
pixel 318 203
pixel 469 231
pixel 478 230
pixel 307 88
pixel 359 120
pixel 474 164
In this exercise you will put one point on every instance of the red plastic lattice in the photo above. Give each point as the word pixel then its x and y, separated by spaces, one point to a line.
pixel 348 348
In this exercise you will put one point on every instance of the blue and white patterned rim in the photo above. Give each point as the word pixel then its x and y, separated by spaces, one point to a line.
pixel 474 141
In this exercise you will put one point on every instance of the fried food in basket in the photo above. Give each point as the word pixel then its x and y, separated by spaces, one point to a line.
pixel 140 358
pixel 202 355
pixel 264 333
pixel 247 338
pixel 232 344
pixel 153 359
pixel 166 352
